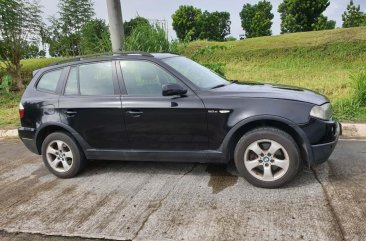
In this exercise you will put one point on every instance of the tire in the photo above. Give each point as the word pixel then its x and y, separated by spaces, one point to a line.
pixel 260 167
pixel 62 156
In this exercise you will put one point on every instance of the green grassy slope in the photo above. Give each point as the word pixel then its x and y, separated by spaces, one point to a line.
pixel 9 117
pixel 29 65
pixel 322 61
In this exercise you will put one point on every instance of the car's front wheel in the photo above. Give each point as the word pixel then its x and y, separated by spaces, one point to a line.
pixel 267 157
pixel 61 155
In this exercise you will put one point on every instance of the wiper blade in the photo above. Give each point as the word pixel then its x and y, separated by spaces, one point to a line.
pixel 218 86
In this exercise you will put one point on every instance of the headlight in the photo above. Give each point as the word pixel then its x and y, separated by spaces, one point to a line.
pixel 323 112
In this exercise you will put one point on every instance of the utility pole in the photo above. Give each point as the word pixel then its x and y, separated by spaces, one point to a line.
pixel 115 24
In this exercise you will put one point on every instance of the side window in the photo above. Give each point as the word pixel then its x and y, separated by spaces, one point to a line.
pixel 48 81
pixel 72 82
pixel 96 79
pixel 145 78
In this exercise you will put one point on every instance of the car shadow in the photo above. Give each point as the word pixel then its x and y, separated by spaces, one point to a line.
pixel 220 176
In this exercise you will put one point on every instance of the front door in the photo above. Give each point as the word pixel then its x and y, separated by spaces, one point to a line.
pixel 156 122
pixel 91 105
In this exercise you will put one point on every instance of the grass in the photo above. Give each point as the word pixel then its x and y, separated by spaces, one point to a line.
pixel 9 117
pixel 28 66
pixel 331 62
pixel 323 61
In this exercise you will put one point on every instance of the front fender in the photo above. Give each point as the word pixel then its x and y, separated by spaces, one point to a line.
pixel 244 125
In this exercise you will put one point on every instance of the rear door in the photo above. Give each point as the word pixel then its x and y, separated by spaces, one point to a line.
pixel 91 105
pixel 156 122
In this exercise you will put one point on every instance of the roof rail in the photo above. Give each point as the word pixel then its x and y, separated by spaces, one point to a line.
pixel 79 58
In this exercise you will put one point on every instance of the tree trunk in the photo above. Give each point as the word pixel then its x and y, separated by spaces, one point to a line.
pixel 15 72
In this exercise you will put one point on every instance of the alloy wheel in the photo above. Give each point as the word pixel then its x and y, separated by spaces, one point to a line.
pixel 266 160
pixel 59 156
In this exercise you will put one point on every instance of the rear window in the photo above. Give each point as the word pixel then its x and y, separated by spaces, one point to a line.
pixel 49 80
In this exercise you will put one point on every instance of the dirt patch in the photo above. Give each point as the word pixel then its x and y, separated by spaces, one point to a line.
pixel 41 172
pixel 220 178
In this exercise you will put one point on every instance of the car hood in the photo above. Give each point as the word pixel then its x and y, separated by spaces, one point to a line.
pixel 256 90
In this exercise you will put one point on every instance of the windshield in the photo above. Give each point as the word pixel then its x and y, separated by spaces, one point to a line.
pixel 196 73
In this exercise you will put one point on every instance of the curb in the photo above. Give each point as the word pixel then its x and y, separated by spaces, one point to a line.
pixel 349 130
pixel 8 133
pixel 353 130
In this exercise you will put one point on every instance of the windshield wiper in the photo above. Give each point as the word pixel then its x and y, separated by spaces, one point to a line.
pixel 218 86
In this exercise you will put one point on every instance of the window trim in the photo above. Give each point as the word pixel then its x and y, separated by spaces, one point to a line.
pixel 77 81
pixel 57 85
pixel 124 88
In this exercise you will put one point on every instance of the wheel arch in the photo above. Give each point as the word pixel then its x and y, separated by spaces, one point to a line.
pixel 281 123
pixel 49 128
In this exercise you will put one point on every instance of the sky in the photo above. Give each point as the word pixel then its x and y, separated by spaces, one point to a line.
pixel 163 9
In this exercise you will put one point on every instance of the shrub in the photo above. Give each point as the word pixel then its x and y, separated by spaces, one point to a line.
pixel 29 65
pixel 346 109
pixel 216 67
pixel 6 83
pixel 147 38
pixel 359 85
pixel 177 46
pixel 230 38
pixel 207 50
pixel 354 107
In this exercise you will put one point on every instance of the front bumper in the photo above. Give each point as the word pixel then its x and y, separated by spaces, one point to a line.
pixel 27 135
pixel 321 152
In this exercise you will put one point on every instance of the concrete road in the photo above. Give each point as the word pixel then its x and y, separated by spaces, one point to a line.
pixel 170 201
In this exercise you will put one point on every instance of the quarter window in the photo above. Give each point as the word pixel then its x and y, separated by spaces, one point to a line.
pixel 145 78
pixel 49 81
pixel 72 82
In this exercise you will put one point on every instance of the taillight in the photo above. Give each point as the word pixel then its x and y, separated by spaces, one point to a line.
pixel 21 111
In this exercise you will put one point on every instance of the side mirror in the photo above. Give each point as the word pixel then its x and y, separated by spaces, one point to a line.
pixel 173 89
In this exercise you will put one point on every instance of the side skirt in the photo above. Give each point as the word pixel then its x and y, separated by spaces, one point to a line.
pixel 152 155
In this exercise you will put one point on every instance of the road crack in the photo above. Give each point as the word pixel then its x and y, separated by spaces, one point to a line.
pixel 22 235
pixel 158 205
pixel 332 210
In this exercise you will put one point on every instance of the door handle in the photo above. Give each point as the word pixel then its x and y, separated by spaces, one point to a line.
pixel 134 113
pixel 70 113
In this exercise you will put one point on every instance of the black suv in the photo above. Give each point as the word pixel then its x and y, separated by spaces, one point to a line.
pixel 165 107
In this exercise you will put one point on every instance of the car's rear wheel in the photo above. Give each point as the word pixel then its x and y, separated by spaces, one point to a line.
pixel 62 155
pixel 267 157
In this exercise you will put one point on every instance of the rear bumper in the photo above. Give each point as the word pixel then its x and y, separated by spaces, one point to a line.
pixel 27 135
pixel 321 152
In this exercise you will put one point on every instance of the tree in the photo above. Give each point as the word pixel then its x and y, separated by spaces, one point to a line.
pixel 186 22
pixel 129 26
pixel 256 20
pixel 31 51
pixel 95 37
pixel 20 23
pixel 74 14
pixel 353 17
pixel 300 15
pixel 147 38
pixel 323 23
pixel 64 34
pixel 214 26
